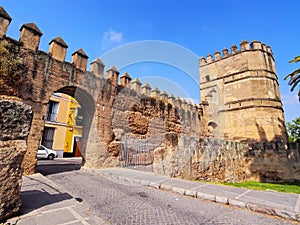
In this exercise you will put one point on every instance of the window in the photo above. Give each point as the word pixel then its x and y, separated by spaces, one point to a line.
pixel 48 137
pixel 79 117
pixel 52 110
pixel 207 78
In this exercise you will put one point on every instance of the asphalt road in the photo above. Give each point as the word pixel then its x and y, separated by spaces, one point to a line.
pixel 124 203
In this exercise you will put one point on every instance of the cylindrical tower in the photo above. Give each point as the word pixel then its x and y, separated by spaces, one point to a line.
pixel 242 92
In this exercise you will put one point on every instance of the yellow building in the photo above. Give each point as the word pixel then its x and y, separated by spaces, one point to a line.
pixel 63 125
pixel 74 131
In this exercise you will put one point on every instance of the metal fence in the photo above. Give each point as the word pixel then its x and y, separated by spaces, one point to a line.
pixel 138 153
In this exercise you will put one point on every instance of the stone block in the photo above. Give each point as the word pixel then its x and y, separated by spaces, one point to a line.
pixel 221 199
pixel 191 193
pixel 261 209
pixel 205 196
pixel 166 187
pixel 136 181
pixel 129 179
pixel 145 182
pixel 237 203
pixel 155 185
pixel 285 214
pixel 122 178
pixel 114 176
pixel 178 190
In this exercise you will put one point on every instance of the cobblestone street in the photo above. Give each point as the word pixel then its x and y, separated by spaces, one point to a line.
pixel 122 203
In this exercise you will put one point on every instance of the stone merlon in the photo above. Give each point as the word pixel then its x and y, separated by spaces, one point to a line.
pixel 244 46
pixel 4 14
pixel 58 49
pixel 59 41
pixel 155 92
pixel 146 89
pixel 30 36
pixel 136 85
pixel 81 53
pixel 33 28
pixel 79 58
pixel 112 74
pixel 4 21
pixel 125 80
pixel 97 67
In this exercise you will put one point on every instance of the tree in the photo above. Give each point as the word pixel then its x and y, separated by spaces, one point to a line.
pixel 294 76
pixel 293 129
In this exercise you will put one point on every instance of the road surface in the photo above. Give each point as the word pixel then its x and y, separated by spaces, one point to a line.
pixel 123 203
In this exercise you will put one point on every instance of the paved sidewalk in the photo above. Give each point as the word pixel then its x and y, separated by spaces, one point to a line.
pixel 268 202
pixel 43 203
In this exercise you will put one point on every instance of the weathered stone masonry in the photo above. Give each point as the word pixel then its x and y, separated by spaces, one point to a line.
pixel 242 93
pixel 15 120
pixel 48 73
pixel 240 102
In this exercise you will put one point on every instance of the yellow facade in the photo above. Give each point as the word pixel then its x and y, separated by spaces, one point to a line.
pixel 63 123
pixel 74 127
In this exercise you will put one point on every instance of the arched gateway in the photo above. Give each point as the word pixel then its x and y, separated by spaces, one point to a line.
pixel 129 124
pixel 47 73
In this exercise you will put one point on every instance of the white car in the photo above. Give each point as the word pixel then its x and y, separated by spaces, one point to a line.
pixel 46 153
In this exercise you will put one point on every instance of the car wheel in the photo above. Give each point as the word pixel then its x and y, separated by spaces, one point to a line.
pixel 51 156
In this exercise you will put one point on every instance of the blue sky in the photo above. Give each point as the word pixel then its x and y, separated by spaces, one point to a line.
pixel 199 27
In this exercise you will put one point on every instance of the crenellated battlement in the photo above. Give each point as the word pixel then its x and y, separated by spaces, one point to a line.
pixel 30 36
pixel 244 47
pixel 29 40
pixel 145 90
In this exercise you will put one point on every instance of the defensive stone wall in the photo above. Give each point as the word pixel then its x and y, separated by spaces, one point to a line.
pixel 145 119
pixel 97 94
pixel 240 101
pixel 48 72
pixel 228 161
pixel 15 121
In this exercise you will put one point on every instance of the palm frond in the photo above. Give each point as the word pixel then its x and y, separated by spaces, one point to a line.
pixel 296 59
pixel 297 71
pixel 294 79
pixel 294 84
pixel 294 76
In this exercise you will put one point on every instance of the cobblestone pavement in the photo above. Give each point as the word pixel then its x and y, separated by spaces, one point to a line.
pixel 122 203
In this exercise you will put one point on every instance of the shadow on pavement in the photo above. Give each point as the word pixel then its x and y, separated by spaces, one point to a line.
pixel 57 168
pixel 35 199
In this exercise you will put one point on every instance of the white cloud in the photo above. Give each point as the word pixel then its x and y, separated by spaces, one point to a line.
pixel 291 105
pixel 290 98
pixel 111 38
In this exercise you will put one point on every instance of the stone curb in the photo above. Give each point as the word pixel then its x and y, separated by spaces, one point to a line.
pixel 283 213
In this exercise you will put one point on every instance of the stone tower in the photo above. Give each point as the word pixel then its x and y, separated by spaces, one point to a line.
pixel 240 94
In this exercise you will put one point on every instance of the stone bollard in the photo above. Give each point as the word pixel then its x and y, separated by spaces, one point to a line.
pixel 15 122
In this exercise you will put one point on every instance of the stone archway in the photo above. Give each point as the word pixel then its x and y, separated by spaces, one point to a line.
pixel 87 104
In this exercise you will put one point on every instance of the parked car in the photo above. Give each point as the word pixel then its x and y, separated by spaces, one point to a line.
pixel 46 153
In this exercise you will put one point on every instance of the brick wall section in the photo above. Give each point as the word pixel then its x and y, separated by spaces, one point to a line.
pixel 15 121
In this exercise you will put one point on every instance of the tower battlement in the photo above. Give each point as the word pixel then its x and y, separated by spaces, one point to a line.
pixel 244 46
